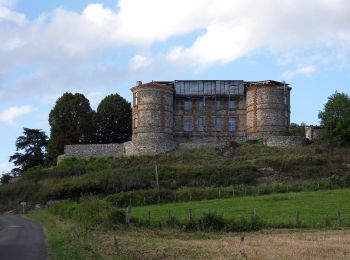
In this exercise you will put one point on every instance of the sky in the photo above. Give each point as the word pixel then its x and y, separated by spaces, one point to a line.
pixel 99 48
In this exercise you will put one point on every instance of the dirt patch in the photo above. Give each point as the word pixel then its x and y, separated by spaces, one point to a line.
pixel 286 244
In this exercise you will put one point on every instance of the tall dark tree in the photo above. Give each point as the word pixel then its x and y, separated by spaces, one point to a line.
pixel 113 120
pixel 30 150
pixel 335 117
pixel 71 122
pixel 5 178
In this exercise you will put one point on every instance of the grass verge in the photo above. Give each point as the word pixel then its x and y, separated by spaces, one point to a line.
pixel 316 209
pixel 65 240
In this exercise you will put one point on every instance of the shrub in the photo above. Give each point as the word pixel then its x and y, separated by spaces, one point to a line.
pixel 64 209
pixel 172 221
pixel 116 216
pixel 211 222
pixel 91 213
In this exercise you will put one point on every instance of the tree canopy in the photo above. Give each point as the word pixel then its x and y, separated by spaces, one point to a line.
pixel 113 120
pixel 71 122
pixel 335 117
pixel 297 130
pixel 30 150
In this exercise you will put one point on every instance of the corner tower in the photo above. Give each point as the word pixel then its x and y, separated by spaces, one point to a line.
pixel 152 119
pixel 267 109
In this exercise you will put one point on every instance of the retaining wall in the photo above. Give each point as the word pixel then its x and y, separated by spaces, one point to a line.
pixel 284 141
pixel 93 150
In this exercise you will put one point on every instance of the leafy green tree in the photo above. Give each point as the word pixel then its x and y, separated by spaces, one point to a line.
pixel 71 122
pixel 113 120
pixel 335 117
pixel 5 178
pixel 30 150
pixel 297 130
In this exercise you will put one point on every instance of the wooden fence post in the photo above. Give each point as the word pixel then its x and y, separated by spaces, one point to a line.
pixel 169 214
pixel 254 213
pixel 338 218
pixel 128 214
pixel 297 218
pixel 219 194
pixel 149 217
pixel 190 215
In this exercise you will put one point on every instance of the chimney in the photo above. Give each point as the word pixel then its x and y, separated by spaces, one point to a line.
pixel 138 83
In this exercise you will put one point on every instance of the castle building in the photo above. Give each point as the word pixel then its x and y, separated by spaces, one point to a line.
pixel 195 113
pixel 168 115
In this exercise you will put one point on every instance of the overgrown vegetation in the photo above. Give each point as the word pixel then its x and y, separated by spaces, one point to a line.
pixel 186 175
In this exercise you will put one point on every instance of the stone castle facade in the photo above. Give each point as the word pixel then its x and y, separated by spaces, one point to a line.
pixel 194 113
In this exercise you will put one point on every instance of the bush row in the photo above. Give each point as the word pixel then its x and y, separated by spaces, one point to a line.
pixel 153 196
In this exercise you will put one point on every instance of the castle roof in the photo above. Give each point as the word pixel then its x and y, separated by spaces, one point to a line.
pixel 152 84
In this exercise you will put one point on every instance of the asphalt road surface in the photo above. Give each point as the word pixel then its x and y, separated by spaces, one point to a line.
pixel 21 239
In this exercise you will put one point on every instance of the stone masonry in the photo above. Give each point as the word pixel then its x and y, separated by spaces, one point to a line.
pixel 183 114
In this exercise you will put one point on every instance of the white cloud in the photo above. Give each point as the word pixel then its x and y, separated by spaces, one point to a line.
pixel 63 45
pixel 8 3
pixel 8 116
pixel 139 62
pixel 303 70
pixel 239 28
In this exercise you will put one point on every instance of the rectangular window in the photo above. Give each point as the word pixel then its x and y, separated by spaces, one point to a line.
pixel 231 104
pixel 188 105
pixel 188 126
pixel 218 124
pixel 200 105
pixel 218 104
pixel 231 124
pixel 200 124
pixel 135 99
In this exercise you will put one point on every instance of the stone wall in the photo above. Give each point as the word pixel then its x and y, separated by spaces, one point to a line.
pixel 93 150
pixel 312 132
pixel 284 141
pixel 149 144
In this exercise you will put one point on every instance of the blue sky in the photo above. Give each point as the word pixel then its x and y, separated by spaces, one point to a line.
pixel 103 47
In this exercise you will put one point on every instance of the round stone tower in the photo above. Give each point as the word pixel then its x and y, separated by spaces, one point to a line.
pixel 267 109
pixel 153 119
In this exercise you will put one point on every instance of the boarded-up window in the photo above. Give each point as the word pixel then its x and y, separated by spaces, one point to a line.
pixel 188 126
pixel 232 104
pixel 231 124
pixel 188 105
pixel 200 124
pixel 200 105
pixel 218 124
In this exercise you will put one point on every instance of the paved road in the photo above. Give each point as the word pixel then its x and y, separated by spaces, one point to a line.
pixel 21 239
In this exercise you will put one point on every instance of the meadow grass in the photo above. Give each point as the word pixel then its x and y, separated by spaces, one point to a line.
pixel 317 209
pixel 65 240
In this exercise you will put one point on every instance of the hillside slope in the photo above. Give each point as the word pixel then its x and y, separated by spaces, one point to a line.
pixel 245 164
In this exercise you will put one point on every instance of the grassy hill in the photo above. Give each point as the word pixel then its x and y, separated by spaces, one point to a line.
pixel 248 168
pixel 222 187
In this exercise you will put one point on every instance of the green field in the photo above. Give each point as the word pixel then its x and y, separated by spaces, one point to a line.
pixel 316 208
